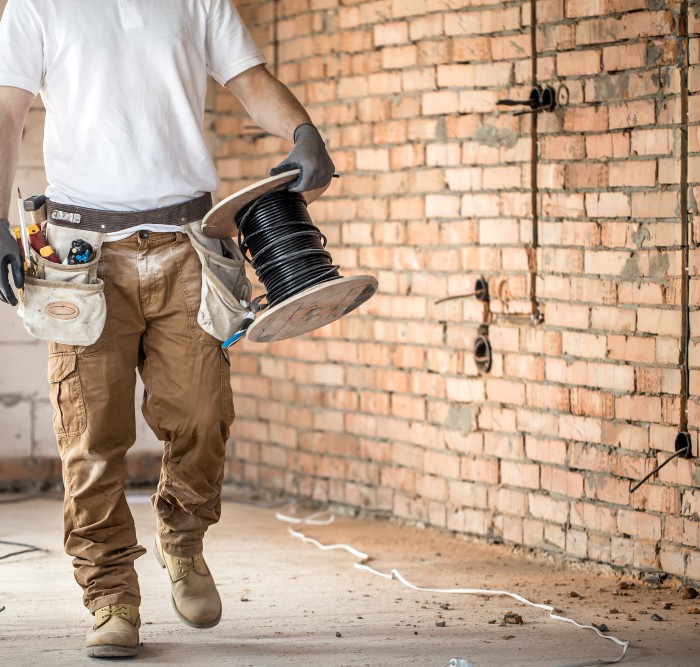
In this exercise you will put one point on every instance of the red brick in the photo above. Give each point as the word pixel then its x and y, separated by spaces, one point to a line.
pixel 632 115
pixel 579 428
pixel 510 47
pixel 624 57
pixel 471 49
pixel 657 321
pixel 608 205
pixel 583 8
pixel 613 319
pixel 639 524
pixel 433 52
pixel 592 403
pixel 567 315
pixel 652 142
pixel 605 146
pixel 521 475
pixel 634 349
pixel 431 25
pixel 391 33
pixel 638 408
pixel 545 451
pixel 655 204
pixel 399 57
pixel 578 63
pixel 586 175
pixel 484 471
pixel 637 174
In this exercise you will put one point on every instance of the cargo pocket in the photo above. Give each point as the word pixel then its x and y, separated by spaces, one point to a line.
pixel 62 303
pixel 224 284
pixel 66 396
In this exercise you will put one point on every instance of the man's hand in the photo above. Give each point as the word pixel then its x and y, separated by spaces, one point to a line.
pixel 309 154
pixel 10 257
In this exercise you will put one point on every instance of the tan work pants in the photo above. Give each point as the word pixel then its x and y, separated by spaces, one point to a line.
pixel 152 288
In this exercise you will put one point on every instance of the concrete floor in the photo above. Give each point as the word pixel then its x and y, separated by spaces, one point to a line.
pixel 287 603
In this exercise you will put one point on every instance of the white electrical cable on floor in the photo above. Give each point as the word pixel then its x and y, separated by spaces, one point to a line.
pixel 313 520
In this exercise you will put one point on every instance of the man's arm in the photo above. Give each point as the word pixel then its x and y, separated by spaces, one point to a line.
pixel 269 102
pixel 14 105
pixel 273 106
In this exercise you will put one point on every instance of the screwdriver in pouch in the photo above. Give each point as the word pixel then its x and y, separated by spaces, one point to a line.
pixel 35 236
pixel 38 242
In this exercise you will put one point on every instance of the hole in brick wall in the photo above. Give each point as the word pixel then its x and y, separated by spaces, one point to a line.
pixel 481 290
pixel 483 354
pixel 684 445
pixel 549 99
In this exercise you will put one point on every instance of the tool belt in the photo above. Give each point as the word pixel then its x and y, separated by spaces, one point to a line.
pixel 93 220
pixel 66 303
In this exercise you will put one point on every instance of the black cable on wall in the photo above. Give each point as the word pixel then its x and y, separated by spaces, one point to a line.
pixel 683 56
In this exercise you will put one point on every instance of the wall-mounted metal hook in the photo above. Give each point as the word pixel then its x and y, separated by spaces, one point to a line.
pixel 684 449
pixel 481 292
pixel 533 101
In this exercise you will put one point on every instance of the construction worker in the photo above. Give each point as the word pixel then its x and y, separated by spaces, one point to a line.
pixel 123 83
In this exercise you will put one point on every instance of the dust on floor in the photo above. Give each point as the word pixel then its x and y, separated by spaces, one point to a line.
pixel 290 604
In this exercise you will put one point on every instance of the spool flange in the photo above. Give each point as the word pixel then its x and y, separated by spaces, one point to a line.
pixel 312 309
pixel 220 222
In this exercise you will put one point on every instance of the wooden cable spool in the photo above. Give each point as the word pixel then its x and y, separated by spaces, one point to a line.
pixel 309 309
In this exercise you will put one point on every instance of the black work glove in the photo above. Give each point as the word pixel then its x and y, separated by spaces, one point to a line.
pixel 10 256
pixel 309 154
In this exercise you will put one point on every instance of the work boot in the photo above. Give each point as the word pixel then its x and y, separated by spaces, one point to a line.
pixel 115 633
pixel 194 595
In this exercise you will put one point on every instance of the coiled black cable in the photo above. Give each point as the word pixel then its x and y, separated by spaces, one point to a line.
pixel 287 250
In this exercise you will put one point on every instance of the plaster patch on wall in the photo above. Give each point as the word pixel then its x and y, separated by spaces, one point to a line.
pixel 631 269
pixel 654 53
pixel 614 87
pixel 641 235
pixel 459 418
pixel 659 264
pixel 490 135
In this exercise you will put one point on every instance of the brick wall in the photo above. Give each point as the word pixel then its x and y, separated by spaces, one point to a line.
pixel 386 409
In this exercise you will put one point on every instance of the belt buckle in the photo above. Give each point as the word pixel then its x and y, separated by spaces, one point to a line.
pixel 65 216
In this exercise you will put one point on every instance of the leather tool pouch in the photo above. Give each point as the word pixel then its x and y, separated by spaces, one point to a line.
pixel 61 303
pixel 224 283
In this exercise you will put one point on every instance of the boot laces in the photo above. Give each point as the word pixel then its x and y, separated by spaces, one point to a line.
pixel 111 610
pixel 117 610
pixel 186 563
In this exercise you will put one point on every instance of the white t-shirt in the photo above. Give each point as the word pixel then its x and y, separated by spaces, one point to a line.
pixel 123 83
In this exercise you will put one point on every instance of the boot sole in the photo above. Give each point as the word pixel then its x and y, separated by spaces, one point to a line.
pixel 108 651
pixel 186 621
